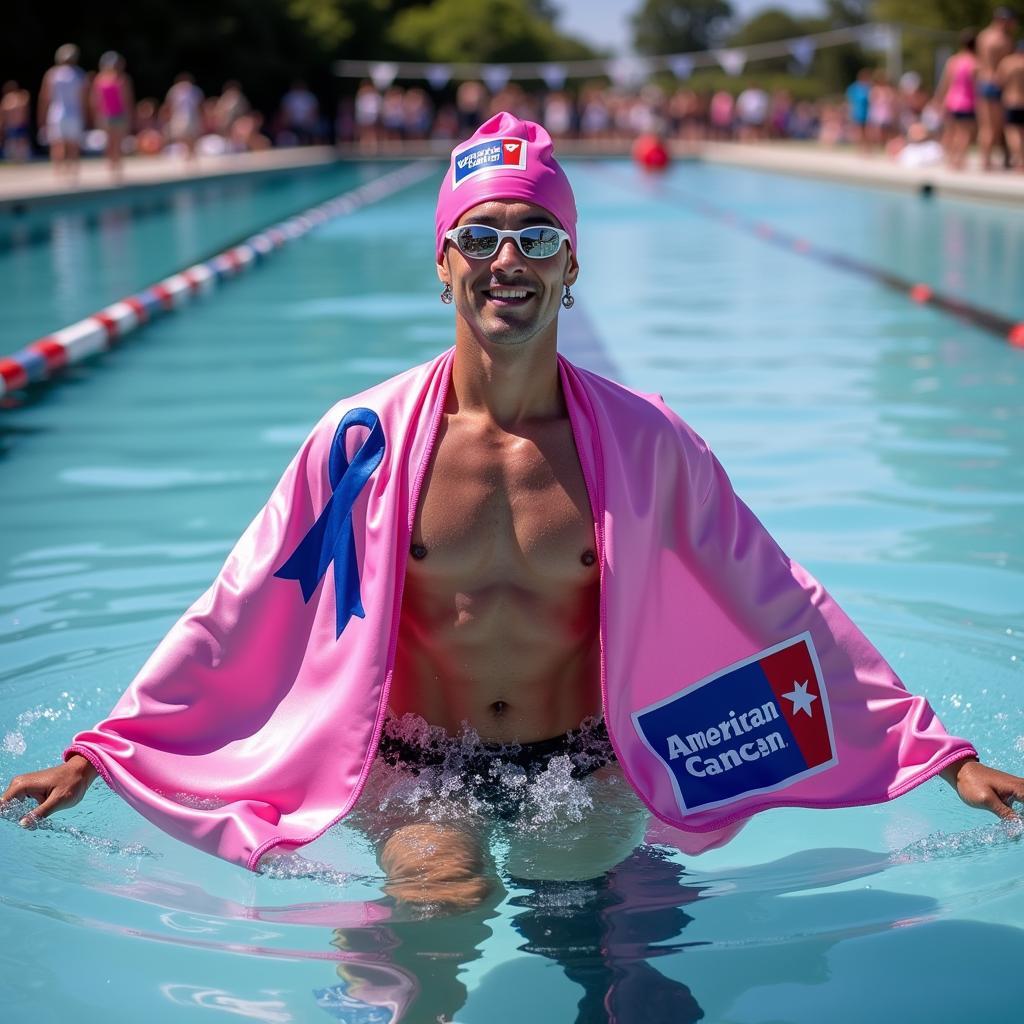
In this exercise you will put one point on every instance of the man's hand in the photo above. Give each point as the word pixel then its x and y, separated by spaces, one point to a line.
pixel 981 786
pixel 54 789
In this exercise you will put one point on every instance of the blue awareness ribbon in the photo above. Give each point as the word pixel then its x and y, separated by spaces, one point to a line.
pixel 331 537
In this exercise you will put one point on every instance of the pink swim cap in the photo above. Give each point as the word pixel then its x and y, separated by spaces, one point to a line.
pixel 505 159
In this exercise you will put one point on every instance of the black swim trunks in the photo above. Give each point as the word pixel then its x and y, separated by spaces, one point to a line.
pixel 1015 116
pixel 486 767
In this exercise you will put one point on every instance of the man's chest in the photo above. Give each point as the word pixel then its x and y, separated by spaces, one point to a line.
pixel 504 505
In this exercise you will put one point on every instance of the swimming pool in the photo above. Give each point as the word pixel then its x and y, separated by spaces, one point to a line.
pixel 881 442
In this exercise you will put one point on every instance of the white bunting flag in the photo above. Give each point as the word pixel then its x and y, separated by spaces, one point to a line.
pixel 553 75
pixel 438 75
pixel 733 61
pixel 803 51
pixel 383 74
pixel 496 76
pixel 681 66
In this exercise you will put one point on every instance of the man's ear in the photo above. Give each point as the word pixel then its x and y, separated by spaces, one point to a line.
pixel 443 273
pixel 573 270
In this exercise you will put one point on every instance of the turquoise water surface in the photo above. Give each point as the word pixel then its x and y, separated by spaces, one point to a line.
pixel 881 442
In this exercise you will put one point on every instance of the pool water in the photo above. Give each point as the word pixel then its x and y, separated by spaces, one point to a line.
pixel 881 442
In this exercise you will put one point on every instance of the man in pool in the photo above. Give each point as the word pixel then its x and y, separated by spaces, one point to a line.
pixel 511 597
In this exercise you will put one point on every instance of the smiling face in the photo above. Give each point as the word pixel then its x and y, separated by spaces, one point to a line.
pixel 507 298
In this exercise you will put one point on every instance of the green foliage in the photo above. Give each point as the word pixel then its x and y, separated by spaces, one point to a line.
pixel 769 26
pixel 919 52
pixel 481 30
pixel 679 26
pixel 952 15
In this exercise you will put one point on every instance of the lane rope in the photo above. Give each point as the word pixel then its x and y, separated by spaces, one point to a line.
pixel 1010 330
pixel 43 358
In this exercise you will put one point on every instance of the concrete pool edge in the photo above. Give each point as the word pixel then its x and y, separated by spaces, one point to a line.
pixel 874 171
pixel 31 186
pixel 23 187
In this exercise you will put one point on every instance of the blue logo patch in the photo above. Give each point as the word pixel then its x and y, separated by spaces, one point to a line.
pixel 508 154
pixel 757 726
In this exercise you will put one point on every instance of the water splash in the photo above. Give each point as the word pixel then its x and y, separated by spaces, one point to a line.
pixel 461 778
pixel 17 809
pixel 291 866
pixel 945 845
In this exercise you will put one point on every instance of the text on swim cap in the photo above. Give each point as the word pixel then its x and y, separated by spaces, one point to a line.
pixel 508 154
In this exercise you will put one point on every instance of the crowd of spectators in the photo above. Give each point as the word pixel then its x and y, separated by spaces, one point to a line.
pixel 378 121
pixel 980 94
pixel 979 98
pixel 78 111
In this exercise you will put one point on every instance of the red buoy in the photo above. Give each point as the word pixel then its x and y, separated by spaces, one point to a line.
pixel 650 153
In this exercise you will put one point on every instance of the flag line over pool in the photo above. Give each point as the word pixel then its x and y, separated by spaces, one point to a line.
pixel 41 359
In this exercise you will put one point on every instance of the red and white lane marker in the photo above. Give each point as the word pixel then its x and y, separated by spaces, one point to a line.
pixel 41 359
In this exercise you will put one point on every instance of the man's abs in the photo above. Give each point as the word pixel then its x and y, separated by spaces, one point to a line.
pixel 499 620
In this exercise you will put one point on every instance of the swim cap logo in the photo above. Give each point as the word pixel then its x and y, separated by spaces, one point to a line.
pixel 755 727
pixel 507 154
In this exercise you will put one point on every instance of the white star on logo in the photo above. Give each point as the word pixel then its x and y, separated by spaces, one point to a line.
pixel 802 700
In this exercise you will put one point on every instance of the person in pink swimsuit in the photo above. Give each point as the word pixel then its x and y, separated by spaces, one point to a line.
pixel 956 94
pixel 112 100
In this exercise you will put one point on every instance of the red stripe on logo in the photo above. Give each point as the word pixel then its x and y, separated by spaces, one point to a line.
pixel 13 374
pixel 791 671
pixel 55 354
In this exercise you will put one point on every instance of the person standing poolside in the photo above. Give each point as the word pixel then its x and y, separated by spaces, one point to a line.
pixel 884 110
pixel 62 104
pixel 994 43
pixel 183 109
pixel 14 123
pixel 300 114
pixel 1010 75
pixel 956 93
pixel 488 575
pixel 858 103
pixel 113 101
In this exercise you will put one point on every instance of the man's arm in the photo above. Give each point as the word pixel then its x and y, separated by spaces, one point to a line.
pixel 54 789
pixel 981 786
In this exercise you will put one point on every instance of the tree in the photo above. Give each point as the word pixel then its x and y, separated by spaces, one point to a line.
pixel 952 15
pixel 679 26
pixel 769 26
pixel 481 30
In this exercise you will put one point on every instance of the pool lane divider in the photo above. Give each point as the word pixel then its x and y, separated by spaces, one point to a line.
pixel 1009 330
pixel 42 359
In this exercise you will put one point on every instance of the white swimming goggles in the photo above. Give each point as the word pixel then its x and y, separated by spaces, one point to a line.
pixel 478 241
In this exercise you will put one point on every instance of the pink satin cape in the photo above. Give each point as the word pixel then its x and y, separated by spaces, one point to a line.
pixel 253 725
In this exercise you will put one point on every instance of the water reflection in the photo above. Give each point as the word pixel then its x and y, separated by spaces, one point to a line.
pixel 602 932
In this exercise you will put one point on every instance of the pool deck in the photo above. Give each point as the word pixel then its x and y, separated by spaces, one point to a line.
pixel 873 170
pixel 25 185
pixel 36 183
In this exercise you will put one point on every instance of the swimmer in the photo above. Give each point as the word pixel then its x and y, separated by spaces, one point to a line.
pixel 994 43
pixel 429 614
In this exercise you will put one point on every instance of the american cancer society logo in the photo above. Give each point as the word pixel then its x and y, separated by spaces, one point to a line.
pixel 508 154
pixel 754 727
